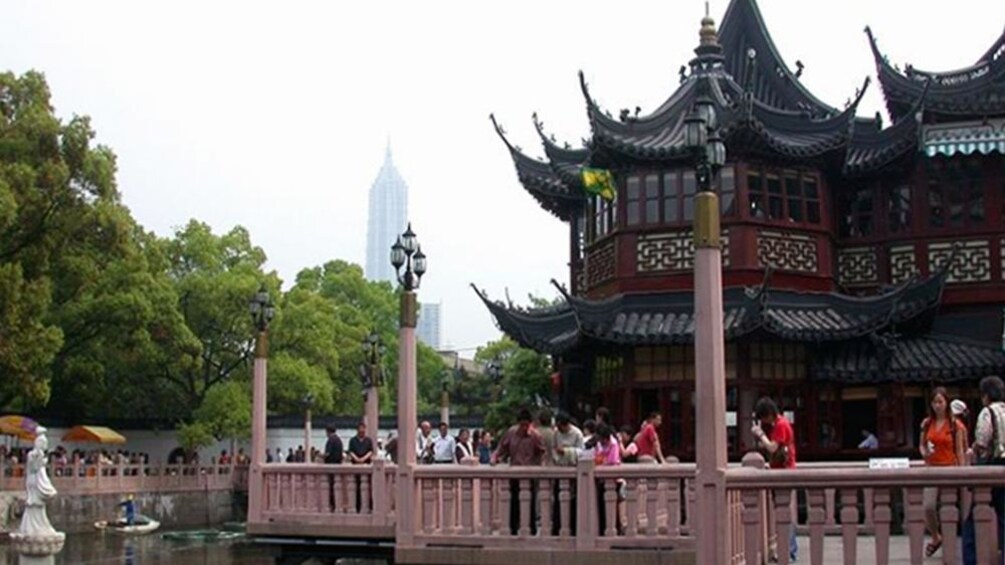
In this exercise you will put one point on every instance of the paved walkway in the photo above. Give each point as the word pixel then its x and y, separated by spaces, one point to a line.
pixel 900 552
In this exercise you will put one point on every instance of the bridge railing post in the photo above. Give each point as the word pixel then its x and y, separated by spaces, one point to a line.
pixel 378 490
pixel 586 506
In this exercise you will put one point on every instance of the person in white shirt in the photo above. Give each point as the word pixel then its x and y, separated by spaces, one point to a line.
pixel 870 440
pixel 444 446
pixel 464 450
pixel 424 443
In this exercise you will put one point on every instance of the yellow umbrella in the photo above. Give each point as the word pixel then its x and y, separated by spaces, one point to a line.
pixel 95 434
pixel 20 427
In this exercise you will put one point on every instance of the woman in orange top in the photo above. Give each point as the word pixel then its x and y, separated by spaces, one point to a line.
pixel 943 443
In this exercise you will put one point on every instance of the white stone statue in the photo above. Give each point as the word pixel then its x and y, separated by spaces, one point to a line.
pixel 36 535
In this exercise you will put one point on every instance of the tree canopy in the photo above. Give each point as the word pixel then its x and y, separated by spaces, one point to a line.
pixel 100 317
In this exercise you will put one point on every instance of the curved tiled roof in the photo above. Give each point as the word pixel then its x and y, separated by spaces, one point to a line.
pixel 668 318
pixel 556 194
pixel 975 91
pixel 908 359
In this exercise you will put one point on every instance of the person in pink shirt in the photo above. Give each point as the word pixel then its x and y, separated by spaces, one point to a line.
pixel 608 453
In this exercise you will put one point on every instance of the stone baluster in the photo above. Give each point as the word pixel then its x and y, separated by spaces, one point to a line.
pixel 673 506
pixel 586 509
pixel 849 524
pixel 949 517
pixel 984 526
pixel 816 517
pixel 783 522
pixel 915 516
pixel 544 507
pixel 882 516
pixel 525 503
pixel 868 505
pixel 485 506
pixel 428 505
pixel 564 507
pixel 652 507
pixel 610 507
pixel 449 526
pixel 632 509
pixel 365 492
pixel 500 506
pixel 831 507
pixel 467 507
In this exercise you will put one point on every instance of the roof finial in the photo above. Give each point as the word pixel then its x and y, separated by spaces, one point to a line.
pixel 708 33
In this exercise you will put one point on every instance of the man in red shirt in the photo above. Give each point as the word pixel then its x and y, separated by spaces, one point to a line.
pixel 648 441
pixel 780 443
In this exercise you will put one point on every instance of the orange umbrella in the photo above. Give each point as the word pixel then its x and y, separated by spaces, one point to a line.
pixel 20 427
pixel 95 434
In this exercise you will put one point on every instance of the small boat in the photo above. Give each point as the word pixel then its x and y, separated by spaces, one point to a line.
pixel 141 525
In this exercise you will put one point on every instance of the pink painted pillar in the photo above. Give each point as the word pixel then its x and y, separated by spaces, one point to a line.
pixel 371 415
pixel 307 437
pixel 710 384
pixel 256 483
pixel 407 392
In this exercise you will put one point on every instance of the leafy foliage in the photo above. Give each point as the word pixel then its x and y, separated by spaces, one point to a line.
pixel 524 382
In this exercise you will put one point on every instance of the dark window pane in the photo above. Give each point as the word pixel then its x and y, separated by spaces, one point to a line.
pixel 775 208
pixel 792 188
pixel 755 188
pixel 813 212
pixel 671 184
pixel 671 209
pixel 727 180
pixel 653 211
pixel 632 190
pixel 754 183
pixel 810 188
pixel 728 204
pixel 633 213
pixel 774 185
pixel 795 209
pixel 688 208
pixel 689 182
pixel 652 186
pixel 955 207
pixel 936 206
pixel 900 209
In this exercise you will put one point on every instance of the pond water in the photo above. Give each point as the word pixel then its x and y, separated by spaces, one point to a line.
pixel 109 549
pixel 93 549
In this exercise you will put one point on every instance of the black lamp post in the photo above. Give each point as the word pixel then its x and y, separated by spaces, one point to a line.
pixel 372 376
pixel 261 310
pixel 702 138
pixel 406 253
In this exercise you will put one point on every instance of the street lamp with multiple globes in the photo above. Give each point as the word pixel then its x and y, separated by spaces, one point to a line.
pixel 409 264
pixel 371 373
pixel 709 150
pixel 262 311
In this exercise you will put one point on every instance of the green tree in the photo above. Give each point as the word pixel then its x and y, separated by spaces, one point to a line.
pixel 524 380
pixel 214 278
pixel 226 411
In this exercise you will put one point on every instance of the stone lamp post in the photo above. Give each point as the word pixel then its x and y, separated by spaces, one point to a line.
pixel 406 254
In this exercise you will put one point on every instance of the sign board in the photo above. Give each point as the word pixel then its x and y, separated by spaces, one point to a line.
pixel 889 463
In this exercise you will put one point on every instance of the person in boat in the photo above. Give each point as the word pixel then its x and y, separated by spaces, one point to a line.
pixel 129 506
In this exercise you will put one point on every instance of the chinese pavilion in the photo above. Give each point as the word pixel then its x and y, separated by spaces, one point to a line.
pixel 863 264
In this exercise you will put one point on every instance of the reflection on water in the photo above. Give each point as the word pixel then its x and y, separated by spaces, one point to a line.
pixel 92 549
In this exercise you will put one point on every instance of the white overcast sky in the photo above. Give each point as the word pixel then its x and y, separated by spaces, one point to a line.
pixel 275 116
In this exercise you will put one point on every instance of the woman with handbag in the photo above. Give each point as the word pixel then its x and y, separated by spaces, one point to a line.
pixel 943 439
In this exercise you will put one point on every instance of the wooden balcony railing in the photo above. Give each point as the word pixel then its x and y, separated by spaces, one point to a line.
pixel 128 478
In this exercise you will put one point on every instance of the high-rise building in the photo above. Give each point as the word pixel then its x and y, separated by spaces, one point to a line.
pixel 388 218
pixel 428 328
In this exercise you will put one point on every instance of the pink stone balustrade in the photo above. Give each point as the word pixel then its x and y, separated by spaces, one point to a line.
pixel 769 493
pixel 589 511
pixel 129 478
pixel 317 499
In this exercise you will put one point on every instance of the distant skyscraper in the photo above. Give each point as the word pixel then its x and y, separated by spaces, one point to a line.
pixel 388 218
pixel 428 328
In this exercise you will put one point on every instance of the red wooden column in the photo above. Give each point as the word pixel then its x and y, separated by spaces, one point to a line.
pixel 710 385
